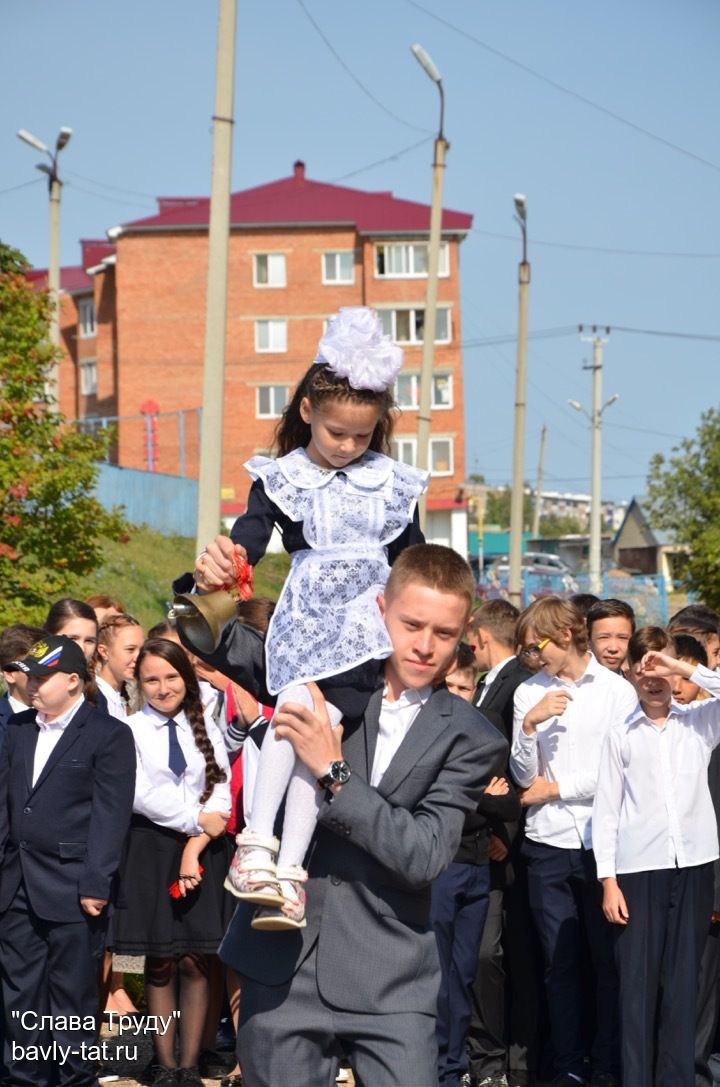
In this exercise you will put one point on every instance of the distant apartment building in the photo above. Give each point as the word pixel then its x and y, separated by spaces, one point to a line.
pixel 133 325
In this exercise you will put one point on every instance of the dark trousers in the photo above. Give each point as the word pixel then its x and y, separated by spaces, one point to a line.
pixel 708 1006
pixel 658 954
pixel 49 969
pixel 457 913
pixel 486 1032
pixel 565 902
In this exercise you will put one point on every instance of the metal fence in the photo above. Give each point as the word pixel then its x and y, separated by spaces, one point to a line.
pixel 646 593
pixel 153 441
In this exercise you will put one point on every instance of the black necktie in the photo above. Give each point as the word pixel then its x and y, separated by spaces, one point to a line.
pixel 176 760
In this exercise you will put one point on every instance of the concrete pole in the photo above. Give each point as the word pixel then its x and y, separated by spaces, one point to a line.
pixel 211 442
pixel 430 323
pixel 54 287
pixel 538 485
pixel 595 563
pixel 518 474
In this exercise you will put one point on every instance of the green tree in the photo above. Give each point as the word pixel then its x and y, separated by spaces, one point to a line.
pixel 51 525
pixel 497 507
pixel 684 500
pixel 553 526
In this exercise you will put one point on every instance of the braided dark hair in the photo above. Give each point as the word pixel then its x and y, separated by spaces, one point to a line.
pixel 320 385
pixel 177 658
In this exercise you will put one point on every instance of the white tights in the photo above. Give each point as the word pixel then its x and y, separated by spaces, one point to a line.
pixel 279 771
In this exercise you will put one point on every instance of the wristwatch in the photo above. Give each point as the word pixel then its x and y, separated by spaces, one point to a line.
pixel 337 774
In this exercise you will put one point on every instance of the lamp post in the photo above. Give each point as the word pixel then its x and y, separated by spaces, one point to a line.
pixel 430 321
pixel 211 438
pixel 595 557
pixel 518 480
pixel 54 186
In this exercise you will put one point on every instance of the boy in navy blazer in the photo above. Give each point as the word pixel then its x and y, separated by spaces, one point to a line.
pixel 67 781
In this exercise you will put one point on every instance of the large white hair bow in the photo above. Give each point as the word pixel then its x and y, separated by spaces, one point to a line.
pixel 355 347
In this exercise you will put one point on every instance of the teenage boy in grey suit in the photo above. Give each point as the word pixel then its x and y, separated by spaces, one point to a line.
pixel 362 978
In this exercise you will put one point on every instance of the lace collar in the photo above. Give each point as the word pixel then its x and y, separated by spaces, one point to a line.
pixel 371 471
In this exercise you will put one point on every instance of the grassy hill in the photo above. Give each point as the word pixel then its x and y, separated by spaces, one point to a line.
pixel 141 571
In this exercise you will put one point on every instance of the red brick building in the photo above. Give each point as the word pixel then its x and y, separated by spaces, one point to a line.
pixel 299 249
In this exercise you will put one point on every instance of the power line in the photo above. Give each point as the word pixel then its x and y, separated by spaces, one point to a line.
pixel 566 90
pixel 112 188
pixel 101 196
pixel 23 185
pixel 352 75
pixel 673 335
pixel 666 253
pixel 381 162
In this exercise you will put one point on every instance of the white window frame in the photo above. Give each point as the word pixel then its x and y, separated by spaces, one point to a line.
pixel 276 331
pixel 414 379
pixel 86 318
pixel 88 377
pixel 408 250
pixel 337 280
pixel 390 325
pixel 275 410
pixel 402 446
pixel 273 259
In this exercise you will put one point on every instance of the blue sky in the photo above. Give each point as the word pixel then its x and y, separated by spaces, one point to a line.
pixel 622 210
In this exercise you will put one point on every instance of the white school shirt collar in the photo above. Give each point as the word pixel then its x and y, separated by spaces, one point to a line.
pixel 492 675
pixel 62 721
pixel 370 471
pixel 396 720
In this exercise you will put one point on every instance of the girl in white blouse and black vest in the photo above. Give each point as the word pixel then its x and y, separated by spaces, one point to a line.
pixel 172 906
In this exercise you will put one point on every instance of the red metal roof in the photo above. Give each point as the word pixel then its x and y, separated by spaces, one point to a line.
pixel 72 279
pixel 294 200
pixel 94 251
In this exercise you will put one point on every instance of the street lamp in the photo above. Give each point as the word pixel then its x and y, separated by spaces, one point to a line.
pixel 54 186
pixel 433 264
pixel 517 493
pixel 595 558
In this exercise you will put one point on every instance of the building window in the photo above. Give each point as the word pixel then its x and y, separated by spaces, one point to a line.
pixel 88 377
pixel 86 316
pixel 269 270
pixel 271 335
pixel 338 267
pixel 407 391
pixel 406 325
pixel 440 454
pixel 271 399
pixel 401 260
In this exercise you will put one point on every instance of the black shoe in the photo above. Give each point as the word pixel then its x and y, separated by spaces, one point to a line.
pixel 604 1079
pixel 189 1077
pixel 214 1065
pixel 165 1077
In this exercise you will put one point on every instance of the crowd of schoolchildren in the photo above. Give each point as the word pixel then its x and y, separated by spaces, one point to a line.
pixel 577 926
pixel 140 789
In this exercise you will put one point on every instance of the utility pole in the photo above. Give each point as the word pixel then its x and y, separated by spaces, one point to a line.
pixel 538 485
pixel 211 439
pixel 595 557
pixel 518 474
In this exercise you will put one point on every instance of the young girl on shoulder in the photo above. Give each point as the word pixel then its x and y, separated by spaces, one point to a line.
pixel 345 510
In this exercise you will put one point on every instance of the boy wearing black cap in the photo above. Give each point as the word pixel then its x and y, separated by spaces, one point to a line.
pixel 67 781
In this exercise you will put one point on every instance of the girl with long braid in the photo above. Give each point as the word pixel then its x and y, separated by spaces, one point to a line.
pixel 172 907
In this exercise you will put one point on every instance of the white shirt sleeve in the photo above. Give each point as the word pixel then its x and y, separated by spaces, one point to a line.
pixel 608 802
pixel 523 754
pixel 583 784
pixel 167 808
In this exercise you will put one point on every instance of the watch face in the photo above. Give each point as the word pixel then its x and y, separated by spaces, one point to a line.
pixel 339 772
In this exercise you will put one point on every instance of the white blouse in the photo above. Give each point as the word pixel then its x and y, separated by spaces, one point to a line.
pixel 162 797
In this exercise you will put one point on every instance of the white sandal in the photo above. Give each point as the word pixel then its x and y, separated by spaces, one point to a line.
pixel 290 912
pixel 254 879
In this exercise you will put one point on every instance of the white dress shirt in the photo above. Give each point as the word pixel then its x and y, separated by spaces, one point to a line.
pixel 162 797
pixel 566 749
pixel 490 678
pixel 49 733
pixel 116 704
pixel 653 807
pixel 16 705
pixel 396 719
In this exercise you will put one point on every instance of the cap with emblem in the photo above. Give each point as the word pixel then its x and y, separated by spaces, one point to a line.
pixel 54 653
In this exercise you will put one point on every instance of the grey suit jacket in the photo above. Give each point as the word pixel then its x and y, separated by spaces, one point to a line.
pixel 375 854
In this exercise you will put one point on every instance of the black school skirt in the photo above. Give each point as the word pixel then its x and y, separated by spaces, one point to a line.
pixel 147 919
